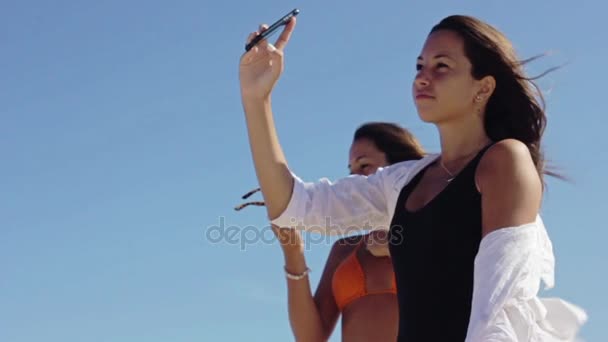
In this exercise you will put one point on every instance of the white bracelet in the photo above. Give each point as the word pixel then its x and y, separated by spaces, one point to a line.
pixel 297 276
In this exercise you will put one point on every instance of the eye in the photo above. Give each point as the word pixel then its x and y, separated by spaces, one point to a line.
pixel 442 66
pixel 418 67
pixel 366 168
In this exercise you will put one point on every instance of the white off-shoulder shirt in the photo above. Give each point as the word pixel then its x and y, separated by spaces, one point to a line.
pixel 509 267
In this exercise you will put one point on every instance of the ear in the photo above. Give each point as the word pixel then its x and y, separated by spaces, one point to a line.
pixel 486 88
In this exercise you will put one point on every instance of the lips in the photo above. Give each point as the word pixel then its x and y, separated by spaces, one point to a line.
pixel 423 96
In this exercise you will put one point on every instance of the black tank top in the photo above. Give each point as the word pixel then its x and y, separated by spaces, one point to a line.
pixel 433 251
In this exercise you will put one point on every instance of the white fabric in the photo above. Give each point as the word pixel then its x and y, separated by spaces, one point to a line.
pixel 352 203
pixel 509 267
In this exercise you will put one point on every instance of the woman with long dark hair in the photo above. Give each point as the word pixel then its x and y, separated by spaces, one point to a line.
pixel 468 247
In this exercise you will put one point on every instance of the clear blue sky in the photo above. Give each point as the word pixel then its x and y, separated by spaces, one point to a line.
pixel 122 142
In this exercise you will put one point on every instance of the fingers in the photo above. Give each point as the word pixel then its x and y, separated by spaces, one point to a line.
pixel 286 34
pixel 281 41
pixel 251 36
pixel 264 42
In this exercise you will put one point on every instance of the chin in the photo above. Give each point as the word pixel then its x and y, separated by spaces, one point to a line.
pixel 427 116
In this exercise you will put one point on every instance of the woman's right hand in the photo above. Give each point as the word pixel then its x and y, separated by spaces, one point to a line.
pixel 261 66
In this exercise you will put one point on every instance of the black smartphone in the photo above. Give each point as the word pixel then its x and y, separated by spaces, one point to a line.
pixel 272 28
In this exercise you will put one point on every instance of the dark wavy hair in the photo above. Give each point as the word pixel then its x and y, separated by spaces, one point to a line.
pixel 516 108
pixel 397 143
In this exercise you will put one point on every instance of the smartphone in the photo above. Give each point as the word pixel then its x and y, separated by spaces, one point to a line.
pixel 272 28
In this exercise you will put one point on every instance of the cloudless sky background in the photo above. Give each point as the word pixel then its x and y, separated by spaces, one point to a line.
pixel 123 143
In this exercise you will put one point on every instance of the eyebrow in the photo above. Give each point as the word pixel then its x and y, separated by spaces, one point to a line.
pixel 356 159
pixel 440 55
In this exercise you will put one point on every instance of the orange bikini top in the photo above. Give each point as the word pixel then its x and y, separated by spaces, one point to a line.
pixel 348 282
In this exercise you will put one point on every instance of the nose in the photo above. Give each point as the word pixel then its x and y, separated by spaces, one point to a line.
pixel 421 80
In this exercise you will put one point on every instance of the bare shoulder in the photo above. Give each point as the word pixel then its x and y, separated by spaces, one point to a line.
pixel 506 153
pixel 510 186
pixel 506 161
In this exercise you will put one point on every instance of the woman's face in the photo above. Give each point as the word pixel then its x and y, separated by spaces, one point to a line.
pixel 365 158
pixel 444 88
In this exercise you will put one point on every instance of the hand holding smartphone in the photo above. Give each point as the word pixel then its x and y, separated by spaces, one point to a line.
pixel 283 21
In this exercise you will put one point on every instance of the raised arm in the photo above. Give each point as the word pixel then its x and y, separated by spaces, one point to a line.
pixel 259 71
pixel 355 202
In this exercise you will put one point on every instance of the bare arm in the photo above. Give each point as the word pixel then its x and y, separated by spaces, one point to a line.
pixel 324 295
pixel 259 71
pixel 510 187
pixel 351 202
pixel 514 254
pixel 311 318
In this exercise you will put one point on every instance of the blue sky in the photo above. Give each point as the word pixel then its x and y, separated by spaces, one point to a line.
pixel 123 144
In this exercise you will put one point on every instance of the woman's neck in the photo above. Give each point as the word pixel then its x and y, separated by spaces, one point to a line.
pixel 462 139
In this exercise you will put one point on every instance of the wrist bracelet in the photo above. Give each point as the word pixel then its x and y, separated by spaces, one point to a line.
pixel 296 276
